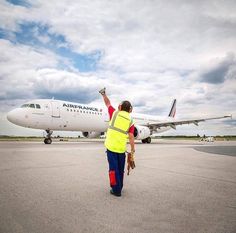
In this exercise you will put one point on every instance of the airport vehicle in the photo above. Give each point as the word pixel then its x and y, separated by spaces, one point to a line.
pixel 50 114
pixel 207 139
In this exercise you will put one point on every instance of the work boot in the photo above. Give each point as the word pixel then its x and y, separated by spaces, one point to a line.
pixel 115 194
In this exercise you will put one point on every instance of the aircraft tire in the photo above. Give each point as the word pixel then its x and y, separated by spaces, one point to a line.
pixel 148 140
pixel 144 140
pixel 47 140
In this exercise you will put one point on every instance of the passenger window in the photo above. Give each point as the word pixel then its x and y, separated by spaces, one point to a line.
pixel 31 106
pixel 38 106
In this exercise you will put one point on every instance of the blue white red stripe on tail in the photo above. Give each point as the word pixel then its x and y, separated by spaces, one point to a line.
pixel 173 109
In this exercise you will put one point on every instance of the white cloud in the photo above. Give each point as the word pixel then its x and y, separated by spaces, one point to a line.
pixel 143 35
pixel 11 15
pixel 18 69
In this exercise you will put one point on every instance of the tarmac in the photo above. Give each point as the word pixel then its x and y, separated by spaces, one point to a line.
pixel 176 187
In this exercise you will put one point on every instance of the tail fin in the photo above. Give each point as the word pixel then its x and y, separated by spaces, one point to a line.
pixel 173 109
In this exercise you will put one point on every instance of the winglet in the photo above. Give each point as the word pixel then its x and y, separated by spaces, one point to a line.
pixel 173 109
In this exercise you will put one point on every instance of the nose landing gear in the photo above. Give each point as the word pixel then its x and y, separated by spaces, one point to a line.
pixel 48 139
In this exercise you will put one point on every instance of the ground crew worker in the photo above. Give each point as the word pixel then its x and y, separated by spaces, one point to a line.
pixel 120 126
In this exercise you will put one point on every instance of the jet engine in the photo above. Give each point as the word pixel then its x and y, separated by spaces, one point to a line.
pixel 92 134
pixel 141 132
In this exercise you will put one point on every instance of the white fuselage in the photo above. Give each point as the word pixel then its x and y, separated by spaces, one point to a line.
pixel 49 114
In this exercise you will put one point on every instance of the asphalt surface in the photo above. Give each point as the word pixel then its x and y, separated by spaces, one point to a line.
pixel 221 150
pixel 176 187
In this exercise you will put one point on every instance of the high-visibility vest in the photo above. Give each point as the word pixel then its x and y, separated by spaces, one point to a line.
pixel 117 132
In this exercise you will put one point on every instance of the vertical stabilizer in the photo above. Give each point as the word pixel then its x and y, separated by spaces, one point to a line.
pixel 173 109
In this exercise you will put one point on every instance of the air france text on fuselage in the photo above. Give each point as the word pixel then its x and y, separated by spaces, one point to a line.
pixel 80 107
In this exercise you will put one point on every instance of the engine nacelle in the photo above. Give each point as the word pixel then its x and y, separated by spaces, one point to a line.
pixel 141 132
pixel 91 134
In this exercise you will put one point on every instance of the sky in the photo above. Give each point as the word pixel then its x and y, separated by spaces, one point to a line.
pixel 146 51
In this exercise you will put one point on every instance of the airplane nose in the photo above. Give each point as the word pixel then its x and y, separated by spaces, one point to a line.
pixel 11 116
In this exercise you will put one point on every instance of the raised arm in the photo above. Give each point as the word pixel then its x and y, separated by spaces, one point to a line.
pixel 105 98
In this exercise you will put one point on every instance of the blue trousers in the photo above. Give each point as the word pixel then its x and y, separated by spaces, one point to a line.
pixel 116 170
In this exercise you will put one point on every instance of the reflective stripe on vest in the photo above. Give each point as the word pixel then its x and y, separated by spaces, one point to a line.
pixel 118 129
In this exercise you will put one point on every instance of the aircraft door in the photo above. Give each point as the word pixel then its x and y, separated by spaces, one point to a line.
pixel 55 109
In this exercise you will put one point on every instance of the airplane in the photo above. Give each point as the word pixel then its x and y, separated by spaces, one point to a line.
pixel 50 114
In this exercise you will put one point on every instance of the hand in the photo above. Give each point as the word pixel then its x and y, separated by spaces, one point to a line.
pixel 103 91
pixel 132 157
pixel 130 162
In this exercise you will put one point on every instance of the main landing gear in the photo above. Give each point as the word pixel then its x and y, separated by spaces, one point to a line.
pixel 48 139
pixel 147 140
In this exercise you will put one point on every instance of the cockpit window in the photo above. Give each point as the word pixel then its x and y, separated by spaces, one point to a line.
pixel 31 106
pixel 25 106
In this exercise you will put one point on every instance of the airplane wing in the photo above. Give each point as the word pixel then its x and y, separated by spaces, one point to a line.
pixel 173 123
